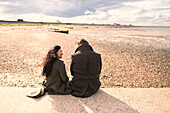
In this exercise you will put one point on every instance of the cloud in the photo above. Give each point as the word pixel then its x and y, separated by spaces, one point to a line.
pixel 144 19
pixel 88 11
pixel 154 20
pixel 62 8
pixel 142 11
pixel 167 19
pixel 161 18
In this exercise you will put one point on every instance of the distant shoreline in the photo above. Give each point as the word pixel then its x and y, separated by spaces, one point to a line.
pixel 56 23
pixel 6 22
pixel 155 26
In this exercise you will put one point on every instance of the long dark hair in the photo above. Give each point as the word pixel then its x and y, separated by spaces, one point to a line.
pixel 49 61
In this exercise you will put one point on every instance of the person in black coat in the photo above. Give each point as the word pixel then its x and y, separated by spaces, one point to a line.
pixel 85 68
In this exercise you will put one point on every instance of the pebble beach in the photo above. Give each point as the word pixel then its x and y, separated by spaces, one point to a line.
pixel 135 57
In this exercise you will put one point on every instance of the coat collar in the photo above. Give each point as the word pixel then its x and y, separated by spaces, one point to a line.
pixel 84 48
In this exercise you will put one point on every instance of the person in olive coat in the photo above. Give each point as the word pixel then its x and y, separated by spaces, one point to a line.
pixel 85 68
pixel 56 77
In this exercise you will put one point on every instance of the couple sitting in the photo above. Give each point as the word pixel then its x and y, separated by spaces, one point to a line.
pixel 85 69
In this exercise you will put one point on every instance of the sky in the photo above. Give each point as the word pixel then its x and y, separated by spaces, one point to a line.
pixel 135 12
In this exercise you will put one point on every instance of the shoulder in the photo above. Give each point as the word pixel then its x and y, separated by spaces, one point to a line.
pixel 84 53
pixel 94 53
pixel 97 54
pixel 76 54
pixel 59 62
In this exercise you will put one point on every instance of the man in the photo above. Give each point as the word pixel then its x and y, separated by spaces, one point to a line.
pixel 85 69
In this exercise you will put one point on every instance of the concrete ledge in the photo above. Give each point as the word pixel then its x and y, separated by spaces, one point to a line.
pixel 107 100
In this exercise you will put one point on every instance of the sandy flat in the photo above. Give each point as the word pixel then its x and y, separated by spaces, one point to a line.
pixel 106 100
pixel 131 57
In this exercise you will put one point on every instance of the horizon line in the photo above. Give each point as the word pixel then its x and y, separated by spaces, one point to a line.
pixel 114 24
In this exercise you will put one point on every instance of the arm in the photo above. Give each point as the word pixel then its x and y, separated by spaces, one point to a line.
pixel 63 73
pixel 71 67
pixel 100 64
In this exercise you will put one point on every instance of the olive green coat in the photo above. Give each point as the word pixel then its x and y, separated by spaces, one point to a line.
pixel 56 82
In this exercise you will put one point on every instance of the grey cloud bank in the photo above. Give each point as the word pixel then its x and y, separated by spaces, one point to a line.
pixel 98 11
pixel 62 8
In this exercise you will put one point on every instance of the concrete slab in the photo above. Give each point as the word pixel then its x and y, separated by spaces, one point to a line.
pixel 107 100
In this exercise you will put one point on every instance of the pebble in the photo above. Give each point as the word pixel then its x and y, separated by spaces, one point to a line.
pixel 123 65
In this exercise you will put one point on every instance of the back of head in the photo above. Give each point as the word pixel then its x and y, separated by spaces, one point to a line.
pixel 56 48
pixel 50 59
pixel 83 42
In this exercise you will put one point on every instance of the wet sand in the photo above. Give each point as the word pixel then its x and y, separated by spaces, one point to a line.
pixel 132 57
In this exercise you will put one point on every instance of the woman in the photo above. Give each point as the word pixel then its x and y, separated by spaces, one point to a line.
pixel 56 77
